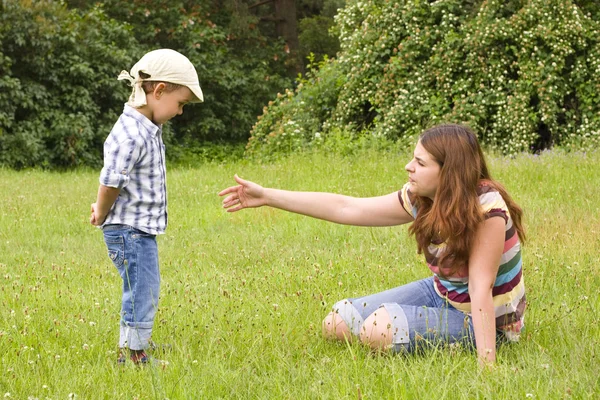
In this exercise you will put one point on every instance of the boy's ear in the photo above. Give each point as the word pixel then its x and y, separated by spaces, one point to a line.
pixel 159 89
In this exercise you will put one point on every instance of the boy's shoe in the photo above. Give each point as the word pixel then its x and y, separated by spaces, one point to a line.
pixel 138 357
pixel 121 358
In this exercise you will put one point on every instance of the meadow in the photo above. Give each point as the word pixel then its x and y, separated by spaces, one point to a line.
pixel 243 294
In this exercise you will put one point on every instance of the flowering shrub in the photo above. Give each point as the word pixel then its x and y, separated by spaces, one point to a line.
pixel 524 74
pixel 295 118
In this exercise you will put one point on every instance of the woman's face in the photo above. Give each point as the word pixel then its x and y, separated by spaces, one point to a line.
pixel 423 173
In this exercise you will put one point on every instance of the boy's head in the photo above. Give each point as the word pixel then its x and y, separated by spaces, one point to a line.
pixel 163 81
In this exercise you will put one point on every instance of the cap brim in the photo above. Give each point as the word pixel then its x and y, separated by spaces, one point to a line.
pixel 197 92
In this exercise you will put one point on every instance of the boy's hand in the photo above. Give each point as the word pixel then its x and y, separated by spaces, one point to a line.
pixel 246 195
pixel 95 218
pixel 105 200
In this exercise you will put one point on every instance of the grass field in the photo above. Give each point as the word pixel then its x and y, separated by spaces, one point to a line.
pixel 243 295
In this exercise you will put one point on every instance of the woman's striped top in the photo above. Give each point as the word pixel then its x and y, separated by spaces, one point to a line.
pixel 509 289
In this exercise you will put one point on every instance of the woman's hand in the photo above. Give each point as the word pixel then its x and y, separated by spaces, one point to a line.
pixel 245 195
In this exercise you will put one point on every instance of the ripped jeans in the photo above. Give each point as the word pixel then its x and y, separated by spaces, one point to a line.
pixel 420 317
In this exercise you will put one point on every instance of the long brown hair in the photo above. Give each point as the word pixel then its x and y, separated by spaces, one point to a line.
pixel 455 213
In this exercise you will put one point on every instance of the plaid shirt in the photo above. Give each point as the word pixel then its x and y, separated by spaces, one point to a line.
pixel 134 161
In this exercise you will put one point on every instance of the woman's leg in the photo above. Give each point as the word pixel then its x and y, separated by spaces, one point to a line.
pixel 400 319
pixel 400 327
pixel 334 327
pixel 348 315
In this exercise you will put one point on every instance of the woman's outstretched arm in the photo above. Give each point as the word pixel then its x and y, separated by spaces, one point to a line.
pixel 371 211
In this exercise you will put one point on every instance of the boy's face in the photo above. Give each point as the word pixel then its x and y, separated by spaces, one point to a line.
pixel 166 105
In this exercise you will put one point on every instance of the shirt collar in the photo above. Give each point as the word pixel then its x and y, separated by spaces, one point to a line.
pixel 150 126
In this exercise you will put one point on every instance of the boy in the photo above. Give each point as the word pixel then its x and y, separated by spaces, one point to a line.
pixel 131 207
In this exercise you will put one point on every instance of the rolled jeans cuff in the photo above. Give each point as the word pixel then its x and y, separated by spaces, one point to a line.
pixel 134 338
pixel 138 325
pixel 349 314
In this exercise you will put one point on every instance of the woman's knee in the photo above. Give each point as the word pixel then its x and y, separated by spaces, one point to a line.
pixel 377 330
pixel 334 327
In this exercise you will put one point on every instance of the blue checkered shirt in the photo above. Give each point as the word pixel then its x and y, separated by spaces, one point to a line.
pixel 134 161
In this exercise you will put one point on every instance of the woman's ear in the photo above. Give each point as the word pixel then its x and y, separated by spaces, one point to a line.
pixel 159 89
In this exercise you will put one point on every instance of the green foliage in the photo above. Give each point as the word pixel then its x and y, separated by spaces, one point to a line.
pixel 315 20
pixel 315 37
pixel 194 153
pixel 331 7
pixel 238 67
pixel 59 96
pixel 295 119
pixel 524 74
pixel 57 83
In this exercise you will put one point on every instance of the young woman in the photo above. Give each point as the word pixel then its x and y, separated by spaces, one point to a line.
pixel 466 225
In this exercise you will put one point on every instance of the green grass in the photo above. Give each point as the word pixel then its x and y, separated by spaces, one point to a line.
pixel 243 295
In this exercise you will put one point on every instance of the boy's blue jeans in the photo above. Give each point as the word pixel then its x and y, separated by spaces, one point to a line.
pixel 135 254
pixel 420 317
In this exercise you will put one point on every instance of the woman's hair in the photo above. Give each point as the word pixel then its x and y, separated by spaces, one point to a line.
pixel 456 213
pixel 149 86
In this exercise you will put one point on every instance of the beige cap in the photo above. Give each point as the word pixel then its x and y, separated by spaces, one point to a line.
pixel 164 65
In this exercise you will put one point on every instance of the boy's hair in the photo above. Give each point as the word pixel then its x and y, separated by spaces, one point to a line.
pixel 149 86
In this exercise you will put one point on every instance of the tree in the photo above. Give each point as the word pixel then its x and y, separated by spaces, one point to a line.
pixel 239 67
pixel 304 25
pixel 57 90
pixel 283 15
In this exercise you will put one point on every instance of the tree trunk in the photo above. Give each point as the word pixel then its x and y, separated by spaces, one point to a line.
pixel 287 27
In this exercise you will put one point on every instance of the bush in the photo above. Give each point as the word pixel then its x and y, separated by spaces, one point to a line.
pixel 524 74
pixel 315 38
pixel 239 68
pixel 59 96
pixel 57 85
pixel 296 118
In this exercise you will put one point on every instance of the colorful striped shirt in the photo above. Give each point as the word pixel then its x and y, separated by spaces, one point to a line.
pixel 509 290
pixel 134 161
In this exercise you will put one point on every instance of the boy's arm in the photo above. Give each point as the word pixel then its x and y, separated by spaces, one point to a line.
pixel 106 198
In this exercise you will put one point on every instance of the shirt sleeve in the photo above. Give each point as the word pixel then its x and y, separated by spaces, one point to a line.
pixel 493 205
pixel 120 157
pixel 406 200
